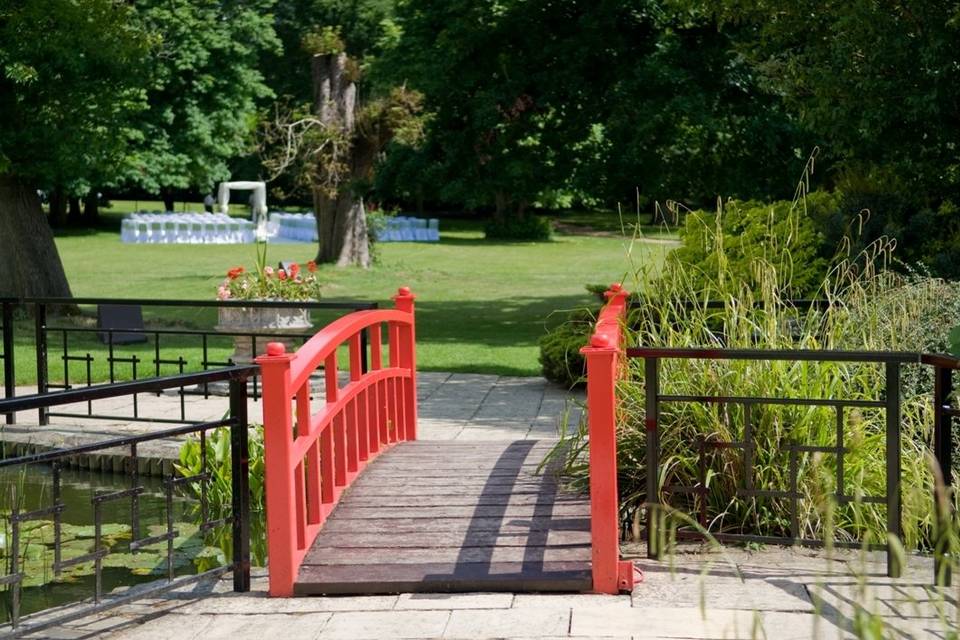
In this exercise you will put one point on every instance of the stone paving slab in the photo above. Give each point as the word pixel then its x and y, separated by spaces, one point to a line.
pixel 780 585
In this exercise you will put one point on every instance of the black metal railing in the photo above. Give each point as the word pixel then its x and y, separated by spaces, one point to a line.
pixel 48 339
pixel 890 403
pixel 239 517
pixel 9 380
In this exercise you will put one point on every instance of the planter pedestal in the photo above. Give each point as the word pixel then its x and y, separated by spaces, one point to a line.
pixel 272 323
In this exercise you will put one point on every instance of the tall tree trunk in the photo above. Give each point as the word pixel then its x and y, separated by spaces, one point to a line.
pixel 341 217
pixel 29 262
pixel 169 202
pixel 58 208
pixel 74 216
pixel 91 208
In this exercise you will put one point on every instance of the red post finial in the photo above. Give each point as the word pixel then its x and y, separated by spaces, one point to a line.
pixel 403 291
pixel 615 287
pixel 276 349
pixel 601 341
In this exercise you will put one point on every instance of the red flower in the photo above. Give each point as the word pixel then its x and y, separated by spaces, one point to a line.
pixel 294 270
pixel 311 266
pixel 234 273
pixel 281 274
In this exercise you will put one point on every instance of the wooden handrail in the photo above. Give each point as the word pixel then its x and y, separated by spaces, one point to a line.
pixel 603 356
pixel 307 469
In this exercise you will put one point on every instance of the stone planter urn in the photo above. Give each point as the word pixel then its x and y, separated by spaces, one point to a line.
pixel 268 324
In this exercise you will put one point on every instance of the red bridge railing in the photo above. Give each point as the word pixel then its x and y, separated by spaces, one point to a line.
pixel 604 358
pixel 311 460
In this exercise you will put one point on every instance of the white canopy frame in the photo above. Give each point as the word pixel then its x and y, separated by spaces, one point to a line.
pixel 259 202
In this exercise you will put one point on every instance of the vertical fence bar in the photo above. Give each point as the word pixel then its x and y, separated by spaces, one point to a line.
pixel 40 317
pixel 9 369
pixel 894 569
pixel 943 495
pixel 652 384
pixel 279 468
pixel 240 477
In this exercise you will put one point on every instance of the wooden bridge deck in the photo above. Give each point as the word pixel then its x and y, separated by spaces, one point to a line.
pixel 447 516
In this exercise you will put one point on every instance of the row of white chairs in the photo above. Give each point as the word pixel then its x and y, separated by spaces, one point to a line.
pixel 299 227
pixel 186 228
pixel 407 229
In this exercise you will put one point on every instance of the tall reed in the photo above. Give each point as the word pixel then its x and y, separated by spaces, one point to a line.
pixel 868 307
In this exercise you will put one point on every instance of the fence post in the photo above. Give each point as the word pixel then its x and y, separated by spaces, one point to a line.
pixel 943 494
pixel 279 468
pixel 240 476
pixel 9 369
pixel 652 424
pixel 893 467
pixel 408 359
pixel 610 575
pixel 40 313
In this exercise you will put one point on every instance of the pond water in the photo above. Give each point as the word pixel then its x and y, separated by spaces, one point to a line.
pixel 42 589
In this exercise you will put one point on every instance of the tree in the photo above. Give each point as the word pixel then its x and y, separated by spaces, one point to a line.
pixel 512 89
pixel 879 83
pixel 205 89
pixel 690 121
pixel 333 145
pixel 70 87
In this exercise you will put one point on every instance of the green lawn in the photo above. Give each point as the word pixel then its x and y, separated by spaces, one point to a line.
pixel 481 305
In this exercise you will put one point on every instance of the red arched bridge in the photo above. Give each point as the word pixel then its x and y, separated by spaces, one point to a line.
pixel 356 504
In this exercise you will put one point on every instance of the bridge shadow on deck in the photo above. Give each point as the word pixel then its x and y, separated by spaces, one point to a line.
pixel 454 517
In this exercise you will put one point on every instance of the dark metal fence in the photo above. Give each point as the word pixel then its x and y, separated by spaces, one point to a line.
pixel 58 342
pixel 890 403
pixel 239 518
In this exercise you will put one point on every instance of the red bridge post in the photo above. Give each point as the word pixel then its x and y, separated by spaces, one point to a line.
pixel 610 575
pixel 279 468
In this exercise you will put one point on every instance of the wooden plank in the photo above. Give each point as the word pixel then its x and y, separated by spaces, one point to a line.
pixel 535 555
pixel 467 499
pixel 429 538
pixel 386 487
pixel 339 524
pixel 565 510
pixel 442 577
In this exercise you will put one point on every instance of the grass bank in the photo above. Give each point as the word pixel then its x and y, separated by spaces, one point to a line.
pixel 481 305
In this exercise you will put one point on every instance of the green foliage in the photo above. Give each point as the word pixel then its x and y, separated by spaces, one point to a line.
pixel 529 228
pixel 363 27
pixel 72 81
pixel 323 41
pixel 219 488
pixel 560 346
pixel 721 251
pixel 870 308
pixel 879 84
pixel 205 89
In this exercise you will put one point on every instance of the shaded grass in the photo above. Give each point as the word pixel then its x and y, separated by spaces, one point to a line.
pixel 481 305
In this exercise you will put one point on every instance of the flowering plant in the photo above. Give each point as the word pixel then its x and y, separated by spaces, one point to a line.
pixel 266 283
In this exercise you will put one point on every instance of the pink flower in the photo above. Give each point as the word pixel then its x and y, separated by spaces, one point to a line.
pixel 268 271
pixel 223 293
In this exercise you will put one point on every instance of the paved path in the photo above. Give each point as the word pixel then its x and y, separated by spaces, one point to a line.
pixel 775 593
pixel 453 406
pixel 778 594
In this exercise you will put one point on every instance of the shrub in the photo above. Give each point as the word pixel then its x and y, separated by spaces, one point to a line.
pixel 560 357
pixel 721 250
pixel 530 228
pixel 870 308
